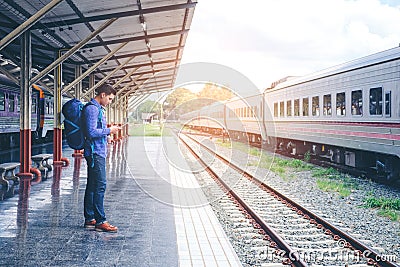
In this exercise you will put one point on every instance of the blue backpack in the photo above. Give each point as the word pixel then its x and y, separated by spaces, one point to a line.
pixel 72 111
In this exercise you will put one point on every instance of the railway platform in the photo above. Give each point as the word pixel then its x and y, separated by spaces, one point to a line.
pixel 162 216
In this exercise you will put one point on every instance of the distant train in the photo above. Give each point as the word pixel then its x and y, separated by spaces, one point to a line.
pixel 42 114
pixel 349 114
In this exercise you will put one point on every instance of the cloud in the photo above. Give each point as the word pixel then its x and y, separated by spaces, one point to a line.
pixel 269 39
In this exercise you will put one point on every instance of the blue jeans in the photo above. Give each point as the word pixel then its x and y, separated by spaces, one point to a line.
pixel 95 189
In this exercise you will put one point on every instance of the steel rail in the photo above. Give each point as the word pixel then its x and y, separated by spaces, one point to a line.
pixel 291 253
pixel 368 252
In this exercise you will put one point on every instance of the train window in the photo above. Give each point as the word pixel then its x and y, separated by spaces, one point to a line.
pixel 341 104
pixel 305 106
pixel 47 107
pixel 388 103
pixel 2 102
pixel 19 103
pixel 275 109
pixel 375 101
pixel 327 105
pixel 282 109
pixel 356 102
pixel 255 112
pixel 315 106
pixel 11 103
pixel 289 108
pixel 33 108
pixel 297 107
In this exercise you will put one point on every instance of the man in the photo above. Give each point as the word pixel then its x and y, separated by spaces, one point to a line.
pixel 95 129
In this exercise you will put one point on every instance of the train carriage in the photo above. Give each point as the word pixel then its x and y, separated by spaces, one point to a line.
pixel 42 114
pixel 209 118
pixel 349 113
pixel 10 107
pixel 244 118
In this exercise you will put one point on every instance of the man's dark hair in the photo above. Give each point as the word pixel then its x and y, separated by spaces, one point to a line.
pixel 107 89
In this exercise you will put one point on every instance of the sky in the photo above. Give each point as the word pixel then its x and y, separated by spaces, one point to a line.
pixel 266 40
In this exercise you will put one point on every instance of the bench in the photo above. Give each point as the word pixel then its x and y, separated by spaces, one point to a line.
pixel 42 163
pixel 7 172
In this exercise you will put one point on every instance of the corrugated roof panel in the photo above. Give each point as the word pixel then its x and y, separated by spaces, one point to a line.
pixel 153 32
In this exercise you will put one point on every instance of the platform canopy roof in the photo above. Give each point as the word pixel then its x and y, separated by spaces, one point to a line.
pixel 135 45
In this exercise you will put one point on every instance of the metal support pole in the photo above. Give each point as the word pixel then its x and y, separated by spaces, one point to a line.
pixel 92 81
pixel 26 104
pixel 27 24
pixel 78 87
pixel 63 57
pixel 57 134
pixel 126 117
pixel 115 110
pixel 95 66
pixel 78 91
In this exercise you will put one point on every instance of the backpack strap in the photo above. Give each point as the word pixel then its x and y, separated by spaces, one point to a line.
pixel 74 125
pixel 99 120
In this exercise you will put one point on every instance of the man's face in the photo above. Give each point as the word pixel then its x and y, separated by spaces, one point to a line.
pixel 106 99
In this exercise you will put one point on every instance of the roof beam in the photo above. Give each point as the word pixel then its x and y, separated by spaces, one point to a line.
pixel 142 65
pixel 28 24
pixel 142 53
pixel 147 72
pixel 156 77
pixel 105 79
pixel 117 15
pixel 71 51
pixel 92 68
pixel 137 38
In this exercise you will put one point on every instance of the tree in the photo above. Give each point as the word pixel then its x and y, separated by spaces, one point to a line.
pixel 175 102
pixel 148 107
pixel 215 92
pixel 183 100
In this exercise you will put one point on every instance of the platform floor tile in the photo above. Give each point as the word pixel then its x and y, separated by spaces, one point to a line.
pixel 200 237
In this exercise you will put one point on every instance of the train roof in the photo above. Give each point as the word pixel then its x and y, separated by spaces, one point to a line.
pixel 367 61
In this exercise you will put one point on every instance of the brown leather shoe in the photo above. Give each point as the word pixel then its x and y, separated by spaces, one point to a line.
pixel 106 227
pixel 90 224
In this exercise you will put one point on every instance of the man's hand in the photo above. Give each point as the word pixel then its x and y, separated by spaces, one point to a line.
pixel 114 129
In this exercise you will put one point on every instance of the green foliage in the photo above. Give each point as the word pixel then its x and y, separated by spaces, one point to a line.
pixel 147 107
pixel 177 101
pixel 340 187
pixel 391 214
pixel 387 207
pixel 145 130
pixel 307 156
pixel 382 202
pixel 331 180
pixel 182 100
pixel 325 173
pixel 215 92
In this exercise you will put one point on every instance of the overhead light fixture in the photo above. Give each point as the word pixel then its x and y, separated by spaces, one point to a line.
pixel 144 26
pixel 142 22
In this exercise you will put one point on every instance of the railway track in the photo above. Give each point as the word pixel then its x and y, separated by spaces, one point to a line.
pixel 295 235
pixel 318 161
